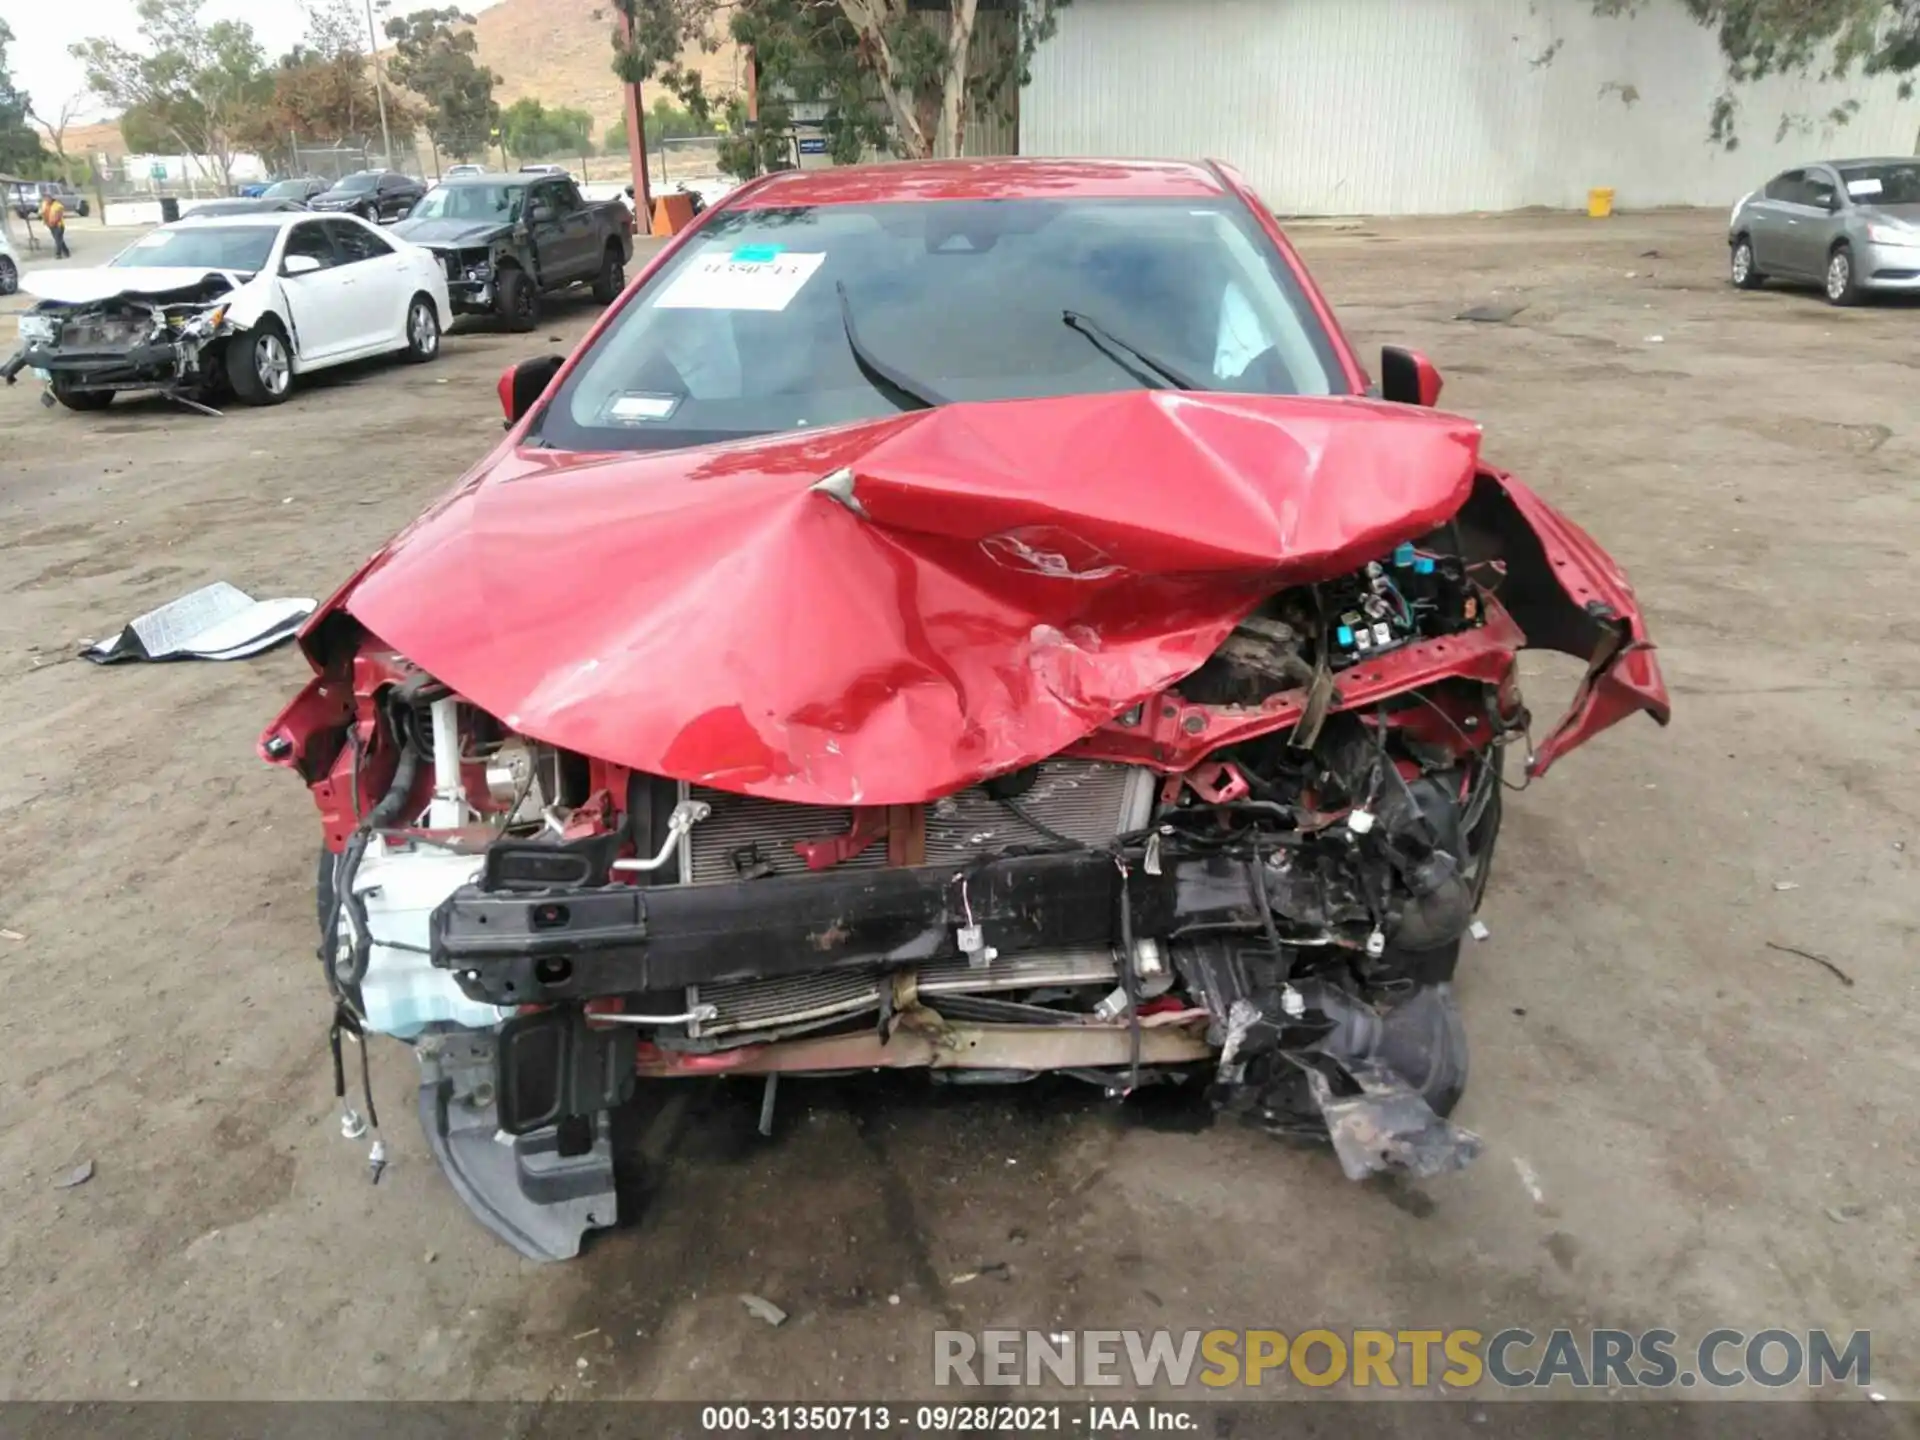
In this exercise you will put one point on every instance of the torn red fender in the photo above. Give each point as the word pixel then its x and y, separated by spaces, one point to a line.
pixel 1570 595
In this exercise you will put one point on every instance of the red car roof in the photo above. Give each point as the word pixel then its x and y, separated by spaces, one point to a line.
pixel 1005 178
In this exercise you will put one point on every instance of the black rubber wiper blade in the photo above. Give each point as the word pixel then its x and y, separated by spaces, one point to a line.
pixel 1158 375
pixel 903 390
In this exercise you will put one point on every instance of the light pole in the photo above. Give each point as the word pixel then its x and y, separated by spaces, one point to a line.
pixel 380 85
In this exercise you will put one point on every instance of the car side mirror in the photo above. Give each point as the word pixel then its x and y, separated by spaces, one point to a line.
pixel 1408 378
pixel 300 265
pixel 539 213
pixel 523 384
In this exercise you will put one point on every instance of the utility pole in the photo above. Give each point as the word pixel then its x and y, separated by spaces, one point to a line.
pixel 380 89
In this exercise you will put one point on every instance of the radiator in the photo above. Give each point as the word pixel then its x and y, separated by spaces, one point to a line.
pixel 1086 800
pixel 801 1000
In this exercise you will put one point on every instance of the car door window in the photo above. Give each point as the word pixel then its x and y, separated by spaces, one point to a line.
pixel 1786 186
pixel 311 241
pixel 566 198
pixel 357 242
pixel 548 194
pixel 1819 191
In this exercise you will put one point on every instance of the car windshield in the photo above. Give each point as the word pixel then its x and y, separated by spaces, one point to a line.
pixel 745 331
pixel 196 245
pixel 286 190
pixel 1889 183
pixel 500 203
pixel 356 183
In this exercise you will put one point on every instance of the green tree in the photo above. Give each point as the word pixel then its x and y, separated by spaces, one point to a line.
pixel 898 72
pixel 531 131
pixel 1829 39
pixel 21 152
pixel 436 61
pixel 203 85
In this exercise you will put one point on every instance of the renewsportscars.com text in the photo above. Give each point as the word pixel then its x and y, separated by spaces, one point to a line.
pixel 1460 1359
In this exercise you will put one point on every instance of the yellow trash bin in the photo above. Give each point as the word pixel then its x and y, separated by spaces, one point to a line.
pixel 1600 203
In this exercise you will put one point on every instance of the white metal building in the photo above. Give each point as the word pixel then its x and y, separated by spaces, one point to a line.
pixel 1434 106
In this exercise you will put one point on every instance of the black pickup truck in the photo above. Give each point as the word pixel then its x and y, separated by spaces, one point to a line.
pixel 508 239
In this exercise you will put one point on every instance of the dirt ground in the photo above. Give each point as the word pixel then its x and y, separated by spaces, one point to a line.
pixel 1684 1126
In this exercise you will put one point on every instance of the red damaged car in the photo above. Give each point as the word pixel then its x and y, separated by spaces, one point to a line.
pixel 977 616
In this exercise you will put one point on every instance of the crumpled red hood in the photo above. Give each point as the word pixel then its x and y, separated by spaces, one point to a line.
pixel 973 589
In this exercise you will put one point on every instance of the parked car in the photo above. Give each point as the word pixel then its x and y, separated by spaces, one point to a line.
pixel 546 169
pixel 27 197
pixel 244 303
pixel 977 616
pixel 9 265
pixel 505 240
pixel 379 196
pixel 454 172
pixel 1849 226
pixel 301 190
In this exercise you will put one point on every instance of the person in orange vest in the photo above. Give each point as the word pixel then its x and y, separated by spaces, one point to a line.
pixel 54 216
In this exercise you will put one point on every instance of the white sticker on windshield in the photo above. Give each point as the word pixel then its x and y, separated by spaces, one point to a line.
pixel 745 279
pixel 1858 189
pixel 638 406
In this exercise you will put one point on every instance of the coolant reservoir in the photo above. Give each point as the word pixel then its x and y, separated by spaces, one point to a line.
pixel 400 886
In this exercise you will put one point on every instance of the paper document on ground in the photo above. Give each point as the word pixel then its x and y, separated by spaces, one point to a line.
pixel 216 622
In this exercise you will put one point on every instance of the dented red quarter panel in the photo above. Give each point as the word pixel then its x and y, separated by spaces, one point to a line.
pixel 1001 579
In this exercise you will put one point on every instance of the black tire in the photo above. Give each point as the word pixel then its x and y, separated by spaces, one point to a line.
pixel 260 364
pixel 369 213
pixel 1842 285
pixel 9 276
pixel 519 300
pixel 1741 267
pixel 612 278
pixel 81 400
pixel 423 330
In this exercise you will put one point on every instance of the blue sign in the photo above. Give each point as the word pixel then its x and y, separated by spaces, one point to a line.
pixel 813 146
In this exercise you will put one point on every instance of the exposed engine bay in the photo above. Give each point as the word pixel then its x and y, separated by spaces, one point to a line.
pixel 1279 924
pixel 168 342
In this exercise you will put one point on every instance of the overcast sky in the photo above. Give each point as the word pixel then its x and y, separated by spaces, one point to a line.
pixel 43 29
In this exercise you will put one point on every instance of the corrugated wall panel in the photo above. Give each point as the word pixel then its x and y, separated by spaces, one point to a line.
pixel 1392 107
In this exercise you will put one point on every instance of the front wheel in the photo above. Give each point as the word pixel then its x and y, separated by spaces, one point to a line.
pixel 81 400
pixel 9 276
pixel 1741 267
pixel 519 300
pixel 423 330
pixel 260 365
pixel 1842 286
pixel 370 214
pixel 612 278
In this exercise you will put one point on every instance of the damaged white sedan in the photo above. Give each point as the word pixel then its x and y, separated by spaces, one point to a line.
pixel 202 309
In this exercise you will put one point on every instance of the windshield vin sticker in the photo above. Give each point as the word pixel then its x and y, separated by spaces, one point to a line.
pixel 1869 186
pixel 638 406
pixel 749 278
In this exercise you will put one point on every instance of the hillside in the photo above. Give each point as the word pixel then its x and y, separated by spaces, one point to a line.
pixel 560 52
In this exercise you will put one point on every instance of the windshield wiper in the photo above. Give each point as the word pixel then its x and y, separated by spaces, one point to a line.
pixel 904 391
pixel 1150 372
